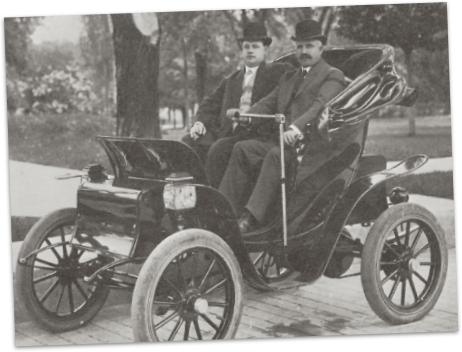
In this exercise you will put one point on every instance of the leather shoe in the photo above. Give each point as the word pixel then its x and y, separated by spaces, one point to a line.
pixel 247 222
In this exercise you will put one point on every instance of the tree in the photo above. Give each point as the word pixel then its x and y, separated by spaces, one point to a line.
pixel 408 26
pixel 17 40
pixel 136 50
pixel 98 53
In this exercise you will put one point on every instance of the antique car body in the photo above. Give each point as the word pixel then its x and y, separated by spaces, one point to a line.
pixel 158 209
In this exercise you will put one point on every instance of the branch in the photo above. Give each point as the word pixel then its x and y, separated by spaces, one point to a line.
pixel 233 29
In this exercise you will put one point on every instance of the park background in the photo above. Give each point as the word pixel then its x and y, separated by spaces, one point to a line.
pixel 70 78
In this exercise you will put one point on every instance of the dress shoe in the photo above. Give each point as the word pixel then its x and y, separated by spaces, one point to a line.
pixel 247 222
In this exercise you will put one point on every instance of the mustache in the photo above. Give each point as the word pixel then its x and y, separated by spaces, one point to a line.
pixel 305 56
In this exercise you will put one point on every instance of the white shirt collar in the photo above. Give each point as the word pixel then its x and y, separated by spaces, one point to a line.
pixel 253 69
pixel 306 69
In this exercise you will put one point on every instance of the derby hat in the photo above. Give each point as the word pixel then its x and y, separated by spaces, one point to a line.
pixel 253 32
pixel 308 30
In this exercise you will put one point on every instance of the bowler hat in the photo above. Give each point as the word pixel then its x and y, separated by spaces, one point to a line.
pixel 254 31
pixel 308 30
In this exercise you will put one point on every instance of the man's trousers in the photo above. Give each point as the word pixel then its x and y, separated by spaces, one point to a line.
pixel 255 165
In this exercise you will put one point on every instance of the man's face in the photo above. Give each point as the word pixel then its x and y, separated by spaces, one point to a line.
pixel 309 52
pixel 254 53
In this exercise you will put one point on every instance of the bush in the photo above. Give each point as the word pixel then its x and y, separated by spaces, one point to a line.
pixel 54 91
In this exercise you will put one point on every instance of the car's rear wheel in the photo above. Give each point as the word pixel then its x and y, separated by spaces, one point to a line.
pixel 50 283
pixel 404 264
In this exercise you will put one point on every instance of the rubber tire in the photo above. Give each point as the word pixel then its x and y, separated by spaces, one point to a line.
pixel 161 257
pixel 371 255
pixel 24 287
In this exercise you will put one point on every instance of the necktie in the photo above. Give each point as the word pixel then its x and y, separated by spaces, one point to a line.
pixel 299 81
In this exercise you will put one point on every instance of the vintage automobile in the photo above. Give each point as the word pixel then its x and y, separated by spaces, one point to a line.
pixel 156 228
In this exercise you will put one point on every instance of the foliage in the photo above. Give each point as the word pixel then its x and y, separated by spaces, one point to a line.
pixel 17 39
pixel 57 91
pixel 408 26
pixel 98 57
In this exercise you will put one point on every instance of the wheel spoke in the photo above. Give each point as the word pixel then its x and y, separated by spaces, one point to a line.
pixel 406 239
pixel 393 289
pixel 403 290
pixel 177 290
pixel 49 291
pixel 416 239
pixel 209 269
pixel 58 303
pixel 389 277
pixel 71 297
pixel 45 277
pixel 166 320
pixel 420 277
pixel 414 291
pixel 427 264
pixel 80 254
pixel 63 237
pixel 218 304
pixel 421 250
pixel 176 329
pixel 210 322
pixel 395 231
pixel 180 273
pixel 46 262
pixel 197 328
pixel 260 256
pixel 53 249
pixel 193 271
pixel 392 249
pixel 81 290
pixel 186 330
pixel 166 304
pixel 218 285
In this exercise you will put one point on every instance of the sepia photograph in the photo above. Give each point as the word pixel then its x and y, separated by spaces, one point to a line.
pixel 230 174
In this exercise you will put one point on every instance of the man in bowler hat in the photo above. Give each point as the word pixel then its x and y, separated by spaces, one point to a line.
pixel 242 89
pixel 300 95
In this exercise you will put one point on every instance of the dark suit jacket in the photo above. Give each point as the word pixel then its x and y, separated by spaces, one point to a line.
pixel 212 110
pixel 321 84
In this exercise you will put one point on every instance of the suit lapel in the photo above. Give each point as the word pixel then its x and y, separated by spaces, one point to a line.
pixel 288 88
pixel 259 83
pixel 309 77
pixel 236 88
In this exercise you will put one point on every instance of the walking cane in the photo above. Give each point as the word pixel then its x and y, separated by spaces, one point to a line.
pixel 280 119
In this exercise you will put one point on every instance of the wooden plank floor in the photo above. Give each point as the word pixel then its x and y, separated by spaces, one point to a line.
pixel 328 307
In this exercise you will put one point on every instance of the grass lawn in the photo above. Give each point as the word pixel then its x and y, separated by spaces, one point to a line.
pixel 69 141
pixel 435 184
pixel 389 137
pixel 59 140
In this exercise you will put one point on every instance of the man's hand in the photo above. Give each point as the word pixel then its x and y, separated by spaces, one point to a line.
pixel 197 130
pixel 290 137
pixel 232 113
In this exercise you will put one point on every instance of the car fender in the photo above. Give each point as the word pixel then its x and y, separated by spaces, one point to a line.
pixel 338 216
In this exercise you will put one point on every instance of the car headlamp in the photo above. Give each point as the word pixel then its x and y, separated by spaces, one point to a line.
pixel 179 196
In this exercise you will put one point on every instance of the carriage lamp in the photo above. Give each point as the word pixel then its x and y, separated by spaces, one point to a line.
pixel 399 195
pixel 179 196
pixel 96 173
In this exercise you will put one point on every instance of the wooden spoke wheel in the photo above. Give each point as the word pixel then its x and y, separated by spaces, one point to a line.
pixel 190 288
pixel 50 283
pixel 404 264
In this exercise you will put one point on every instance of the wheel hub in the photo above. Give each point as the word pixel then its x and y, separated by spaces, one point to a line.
pixel 413 265
pixel 201 306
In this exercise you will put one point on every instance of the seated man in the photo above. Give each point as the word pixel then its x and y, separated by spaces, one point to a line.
pixel 300 96
pixel 240 90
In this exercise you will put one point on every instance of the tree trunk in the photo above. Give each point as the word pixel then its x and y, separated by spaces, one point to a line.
pixel 137 71
pixel 201 74
pixel 186 102
pixel 411 111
